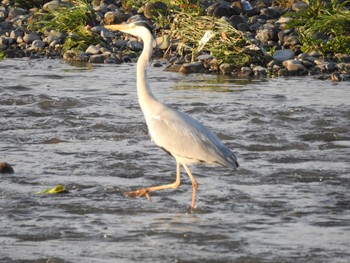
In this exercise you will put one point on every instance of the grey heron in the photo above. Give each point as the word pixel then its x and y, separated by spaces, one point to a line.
pixel 183 137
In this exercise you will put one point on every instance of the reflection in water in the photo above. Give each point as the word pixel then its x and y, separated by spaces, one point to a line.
pixel 82 127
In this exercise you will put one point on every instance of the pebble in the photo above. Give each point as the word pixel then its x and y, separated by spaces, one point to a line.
pixel 226 68
pixel 154 9
pixel 283 55
pixel 38 44
pixel 30 37
pixel 134 46
pixel 259 71
pixel 52 5
pixel 99 59
pixel 266 34
pixel 294 66
pixel 195 67
pixel 162 42
pixel 246 71
pixel 16 33
pixel 92 49
pixel 299 7
pixel 5 168
pixel 205 57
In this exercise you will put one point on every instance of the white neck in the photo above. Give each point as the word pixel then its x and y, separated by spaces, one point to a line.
pixel 146 98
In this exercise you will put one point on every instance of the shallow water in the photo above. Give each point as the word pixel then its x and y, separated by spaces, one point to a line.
pixel 82 127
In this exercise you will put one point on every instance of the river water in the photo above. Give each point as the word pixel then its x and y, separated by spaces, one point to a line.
pixel 81 126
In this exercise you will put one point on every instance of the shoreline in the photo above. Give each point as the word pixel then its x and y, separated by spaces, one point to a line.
pixel 263 25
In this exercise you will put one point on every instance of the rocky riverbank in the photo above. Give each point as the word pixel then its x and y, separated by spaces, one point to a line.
pixel 262 23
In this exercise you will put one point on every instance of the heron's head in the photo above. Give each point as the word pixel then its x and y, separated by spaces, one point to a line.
pixel 138 29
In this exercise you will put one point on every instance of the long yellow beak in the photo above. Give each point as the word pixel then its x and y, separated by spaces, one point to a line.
pixel 119 27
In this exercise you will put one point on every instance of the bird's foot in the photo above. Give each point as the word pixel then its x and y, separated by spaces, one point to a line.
pixel 139 193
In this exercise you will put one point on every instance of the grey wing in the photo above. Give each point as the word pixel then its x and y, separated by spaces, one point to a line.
pixel 187 139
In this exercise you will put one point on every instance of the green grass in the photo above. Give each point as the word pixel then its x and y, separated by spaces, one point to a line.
pixel 71 20
pixel 330 19
pixel 28 4
pixel 227 44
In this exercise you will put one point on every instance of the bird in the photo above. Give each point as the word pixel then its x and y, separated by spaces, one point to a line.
pixel 178 134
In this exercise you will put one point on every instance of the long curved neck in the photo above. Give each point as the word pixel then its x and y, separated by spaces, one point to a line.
pixel 146 98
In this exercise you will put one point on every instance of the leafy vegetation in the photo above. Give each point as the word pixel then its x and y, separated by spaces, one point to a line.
pixel 189 26
pixel 324 26
pixel 187 6
pixel 71 20
pixel 225 43
pixel 28 4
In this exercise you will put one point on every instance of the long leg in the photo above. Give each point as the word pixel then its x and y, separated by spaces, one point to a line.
pixel 194 184
pixel 145 191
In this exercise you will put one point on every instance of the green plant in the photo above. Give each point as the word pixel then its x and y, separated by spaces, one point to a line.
pixel 224 42
pixel 329 18
pixel 71 20
pixel 28 4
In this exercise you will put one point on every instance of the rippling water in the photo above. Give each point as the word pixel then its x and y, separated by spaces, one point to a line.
pixel 82 127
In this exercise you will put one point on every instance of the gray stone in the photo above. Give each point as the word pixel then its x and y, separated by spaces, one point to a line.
pixel 120 43
pixel 283 54
pixel 51 39
pixel 92 49
pixel 112 7
pixel 7 26
pixel 272 13
pixel 260 71
pixel 134 46
pixel 306 63
pixel 112 60
pixel 299 7
pixel 284 20
pixel 291 41
pixel 3 15
pixel 237 7
pixel 162 42
pixel 4 40
pixel 107 34
pixel 330 66
pixel 266 35
pixel 336 76
pixel 30 37
pixel 195 67
pixel 155 9
pixel 246 71
pixel 255 27
pixel 293 66
pixel 204 57
pixel 226 68
pixel 38 44
pixel 315 54
pixel 59 34
pixel 244 27
pixel 113 17
pixel 16 33
pixel 19 40
pixel 97 59
pixel 52 5
pixel 222 10
pixel 55 43
pixel 283 72
pixel 340 66
pixel 235 20
pixel 15 12
pixel 69 55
